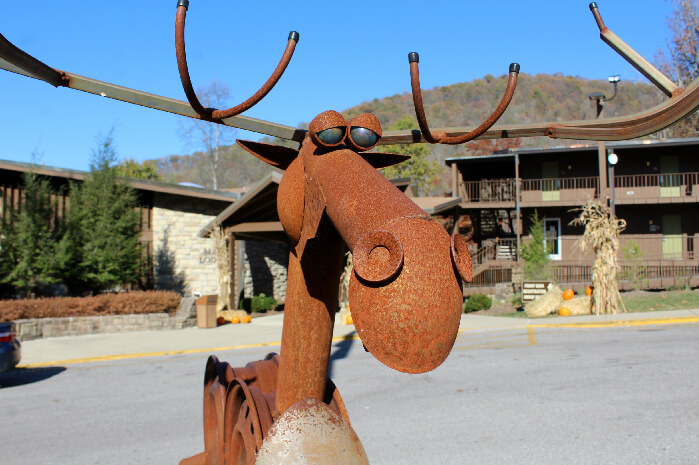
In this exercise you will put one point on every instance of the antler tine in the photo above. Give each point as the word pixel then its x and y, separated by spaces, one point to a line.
pixel 210 113
pixel 414 59
pixel 440 137
pixel 654 75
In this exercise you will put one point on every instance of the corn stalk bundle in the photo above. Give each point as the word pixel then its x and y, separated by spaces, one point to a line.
pixel 224 268
pixel 343 296
pixel 602 231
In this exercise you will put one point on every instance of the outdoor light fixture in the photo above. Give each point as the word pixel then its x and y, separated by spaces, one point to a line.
pixel 614 79
pixel 612 158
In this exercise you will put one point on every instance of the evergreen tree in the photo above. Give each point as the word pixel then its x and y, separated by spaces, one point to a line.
pixel 535 252
pixel 28 240
pixel 103 219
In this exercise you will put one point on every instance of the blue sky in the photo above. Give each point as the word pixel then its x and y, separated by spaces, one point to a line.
pixel 349 52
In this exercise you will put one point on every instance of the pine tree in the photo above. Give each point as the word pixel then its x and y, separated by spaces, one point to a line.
pixel 535 252
pixel 104 221
pixel 28 241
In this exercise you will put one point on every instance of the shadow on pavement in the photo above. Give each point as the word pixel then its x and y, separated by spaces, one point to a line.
pixel 21 376
pixel 341 349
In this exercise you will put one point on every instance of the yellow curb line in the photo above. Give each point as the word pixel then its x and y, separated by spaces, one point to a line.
pixel 619 323
pixel 349 337
pixel 106 358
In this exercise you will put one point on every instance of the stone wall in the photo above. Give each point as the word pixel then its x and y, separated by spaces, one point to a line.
pixel 37 328
pixel 183 262
pixel 266 266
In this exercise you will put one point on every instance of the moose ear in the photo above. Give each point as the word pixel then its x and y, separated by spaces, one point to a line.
pixel 276 155
pixel 383 160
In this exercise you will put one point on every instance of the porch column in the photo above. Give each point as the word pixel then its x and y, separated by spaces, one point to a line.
pixel 454 180
pixel 517 208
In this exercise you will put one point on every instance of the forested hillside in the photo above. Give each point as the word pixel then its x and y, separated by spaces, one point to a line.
pixel 540 97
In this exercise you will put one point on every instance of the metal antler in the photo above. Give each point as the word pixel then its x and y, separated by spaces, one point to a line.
pixel 630 55
pixel 210 113
pixel 440 136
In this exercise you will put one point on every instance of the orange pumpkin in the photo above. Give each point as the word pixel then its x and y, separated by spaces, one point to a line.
pixel 349 320
pixel 235 319
pixel 564 311
pixel 588 290
pixel 220 320
pixel 568 294
pixel 247 319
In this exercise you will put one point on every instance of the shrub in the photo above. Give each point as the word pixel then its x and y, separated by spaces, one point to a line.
pixel 477 302
pixel 517 300
pixel 262 303
pixel 122 303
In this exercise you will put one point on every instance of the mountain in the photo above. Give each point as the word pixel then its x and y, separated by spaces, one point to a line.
pixel 541 97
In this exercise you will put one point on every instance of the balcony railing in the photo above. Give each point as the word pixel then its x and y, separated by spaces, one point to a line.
pixel 637 186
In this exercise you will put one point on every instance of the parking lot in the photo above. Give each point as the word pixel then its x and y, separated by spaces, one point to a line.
pixel 522 395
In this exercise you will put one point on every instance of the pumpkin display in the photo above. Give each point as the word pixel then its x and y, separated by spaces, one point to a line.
pixel 588 290
pixel 564 311
pixel 568 294
pixel 235 319
pixel 247 319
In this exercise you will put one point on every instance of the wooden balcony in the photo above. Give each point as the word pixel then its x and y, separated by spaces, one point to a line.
pixel 629 189
pixel 657 188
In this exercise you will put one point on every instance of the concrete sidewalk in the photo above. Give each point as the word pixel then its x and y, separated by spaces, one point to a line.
pixel 267 331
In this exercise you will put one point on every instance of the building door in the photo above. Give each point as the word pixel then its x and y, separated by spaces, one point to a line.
pixel 672 236
pixel 550 184
pixel 669 176
pixel 552 235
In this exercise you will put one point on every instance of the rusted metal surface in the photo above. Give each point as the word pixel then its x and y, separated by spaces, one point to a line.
pixel 239 410
pixel 440 137
pixel 211 113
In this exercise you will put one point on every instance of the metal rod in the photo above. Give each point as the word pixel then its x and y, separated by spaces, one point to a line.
pixel 210 113
pixel 634 58
pixel 441 137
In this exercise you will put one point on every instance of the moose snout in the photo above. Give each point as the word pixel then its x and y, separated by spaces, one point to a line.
pixel 405 293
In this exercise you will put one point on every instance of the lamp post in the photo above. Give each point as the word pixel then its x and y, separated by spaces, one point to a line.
pixel 612 159
pixel 600 99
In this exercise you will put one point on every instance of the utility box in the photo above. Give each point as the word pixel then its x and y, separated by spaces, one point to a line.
pixel 206 311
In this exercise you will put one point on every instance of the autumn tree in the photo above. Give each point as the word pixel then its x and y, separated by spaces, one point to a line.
pixel 132 169
pixel 682 65
pixel 211 137
pixel 423 171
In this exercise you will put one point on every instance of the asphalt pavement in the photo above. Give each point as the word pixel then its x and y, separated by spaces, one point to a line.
pixel 267 331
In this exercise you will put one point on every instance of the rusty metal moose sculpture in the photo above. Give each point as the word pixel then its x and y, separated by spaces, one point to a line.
pixel 405 289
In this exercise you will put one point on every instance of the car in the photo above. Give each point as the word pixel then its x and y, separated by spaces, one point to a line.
pixel 10 347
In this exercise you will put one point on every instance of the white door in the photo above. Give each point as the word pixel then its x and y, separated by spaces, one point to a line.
pixel 552 235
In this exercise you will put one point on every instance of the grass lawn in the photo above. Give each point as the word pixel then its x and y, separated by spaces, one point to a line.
pixel 666 300
pixel 645 301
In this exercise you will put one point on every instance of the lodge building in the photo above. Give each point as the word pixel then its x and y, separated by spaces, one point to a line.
pixel 654 185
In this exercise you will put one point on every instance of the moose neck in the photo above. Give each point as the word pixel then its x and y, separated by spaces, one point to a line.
pixel 309 315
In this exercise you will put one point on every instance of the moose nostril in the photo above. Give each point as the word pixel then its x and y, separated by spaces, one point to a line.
pixel 378 256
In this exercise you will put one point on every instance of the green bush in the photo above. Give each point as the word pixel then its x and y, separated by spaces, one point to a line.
pixel 262 303
pixel 477 302
pixel 517 300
